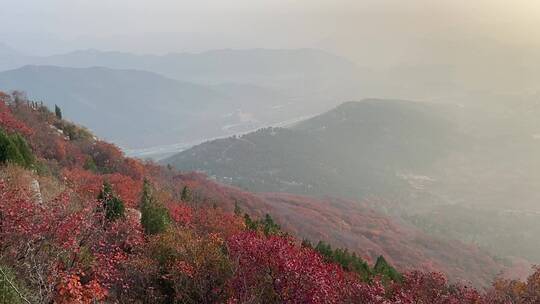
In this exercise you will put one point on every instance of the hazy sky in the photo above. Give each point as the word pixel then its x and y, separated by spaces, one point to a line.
pixel 378 32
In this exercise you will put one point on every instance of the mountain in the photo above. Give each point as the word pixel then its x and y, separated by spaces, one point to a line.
pixel 309 75
pixel 355 150
pixel 140 109
pixel 254 88
pixel 268 67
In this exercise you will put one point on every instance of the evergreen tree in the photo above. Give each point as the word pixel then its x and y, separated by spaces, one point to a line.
pixel 325 250
pixel 155 217
pixel 112 205
pixel 27 157
pixel 360 266
pixel 8 150
pixel 269 226
pixel 14 149
pixel 349 262
pixel 386 271
pixel 90 165
pixel 306 243
pixel 250 224
pixel 237 209
pixel 58 112
pixel 266 225
pixel 186 194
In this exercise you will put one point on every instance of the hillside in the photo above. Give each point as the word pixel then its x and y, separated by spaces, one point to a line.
pixel 102 227
pixel 355 226
pixel 419 161
pixel 110 101
pixel 354 150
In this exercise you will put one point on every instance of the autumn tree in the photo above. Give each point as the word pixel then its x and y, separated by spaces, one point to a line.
pixel 188 268
pixel 274 270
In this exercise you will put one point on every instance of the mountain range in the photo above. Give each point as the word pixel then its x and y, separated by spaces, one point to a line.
pixel 226 91
pixel 137 108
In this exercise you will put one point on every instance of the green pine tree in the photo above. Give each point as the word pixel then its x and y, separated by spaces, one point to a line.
pixel 237 209
pixel 349 261
pixel 386 271
pixel 155 217
pixel 269 226
pixel 325 250
pixel 58 112
pixel 186 194
pixel 27 157
pixel 360 266
pixel 250 224
pixel 14 149
pixel 306 243
pixel 112 205
pixel 90 165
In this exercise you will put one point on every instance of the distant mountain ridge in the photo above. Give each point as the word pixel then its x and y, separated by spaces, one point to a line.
pixel 353 150
pixel 302 72
pixel 247 89
pixel 139 108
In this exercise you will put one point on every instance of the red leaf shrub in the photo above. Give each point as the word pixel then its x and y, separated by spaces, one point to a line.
pixel 276 270
pixel 8 121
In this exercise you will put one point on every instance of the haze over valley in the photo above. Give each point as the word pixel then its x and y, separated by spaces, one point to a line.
pixel 273 151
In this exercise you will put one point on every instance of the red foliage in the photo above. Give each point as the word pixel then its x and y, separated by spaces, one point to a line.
pixel 83 181
pixel 132 168
pixel 180 213
pixel 423 287
pixel 106 155
pixel 350 224
pixel 72 155
pixel 275 269
pixel 70 290
pixel 216 221
pixel 41 240
pixel 8 121
pixel 112 249
pixel 127 188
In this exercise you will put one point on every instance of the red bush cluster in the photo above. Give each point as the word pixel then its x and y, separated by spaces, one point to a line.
pixel 8 121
